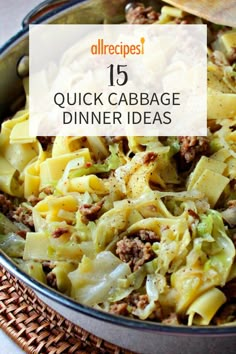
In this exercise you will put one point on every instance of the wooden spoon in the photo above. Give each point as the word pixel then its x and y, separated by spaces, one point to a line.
pixel 222 12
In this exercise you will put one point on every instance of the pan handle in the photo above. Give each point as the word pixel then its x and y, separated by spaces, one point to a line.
pixel 42 9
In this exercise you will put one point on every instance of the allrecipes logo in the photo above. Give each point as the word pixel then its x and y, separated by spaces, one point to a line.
pixel 117 49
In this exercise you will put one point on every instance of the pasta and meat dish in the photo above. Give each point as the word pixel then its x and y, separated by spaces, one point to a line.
pixel 143 227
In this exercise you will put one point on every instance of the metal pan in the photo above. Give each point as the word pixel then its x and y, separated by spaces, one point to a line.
pixel 139 336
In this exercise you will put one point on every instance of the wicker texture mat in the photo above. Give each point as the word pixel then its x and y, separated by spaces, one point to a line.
pixel 38 329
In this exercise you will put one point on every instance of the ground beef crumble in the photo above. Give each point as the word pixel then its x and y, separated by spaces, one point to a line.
pixel 58 232
pixel 134 252
pixel 133 302
pixel 24 215
pixel 193 146
pixel 18 213
pixel 47 190
pixel 147 236
pixel 136 13
pixel 119 309
pixel 213 125
pixel 130 304
pixel 90 212
pixel 33 200
pixel 137 249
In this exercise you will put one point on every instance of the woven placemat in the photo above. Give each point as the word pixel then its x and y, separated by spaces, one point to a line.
pixel 38 329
